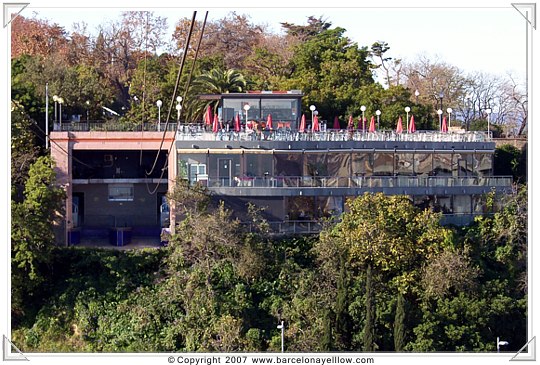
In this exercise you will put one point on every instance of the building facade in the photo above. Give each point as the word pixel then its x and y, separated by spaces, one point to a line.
pixel 120 179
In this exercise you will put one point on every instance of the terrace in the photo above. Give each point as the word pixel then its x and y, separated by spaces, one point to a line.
pixel 198 132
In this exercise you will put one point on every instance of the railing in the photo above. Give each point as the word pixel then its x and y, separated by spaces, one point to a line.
pixel 112 127
pixel 355 182
pixel 289 227
pixel 198 132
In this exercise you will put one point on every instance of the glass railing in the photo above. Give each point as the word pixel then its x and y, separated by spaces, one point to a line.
pixel 198 133
pixel 355 182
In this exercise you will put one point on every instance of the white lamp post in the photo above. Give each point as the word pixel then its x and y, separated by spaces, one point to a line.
pixel 178 108
pixel 363 109
pixel 282 328
pixel 312 108
pixel 440 118
pixel 60 102
pixel 407 110
pixel 159 103
pixel 499 343
pixel 87 111
pixel 378 113
pixel 55 99
pixel 246 108
pixel 449 111
pixel 488 111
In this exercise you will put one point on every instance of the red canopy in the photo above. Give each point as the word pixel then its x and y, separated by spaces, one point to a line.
pixel 399 128
pixel 302 127
pixel 351 123
pixel 444 128
pixel 315 127
pixel 336 123
pixel 215 125
pixel 269 122
pixel 412 127
pixel 208 116
pixel 237 123
pixel 372 124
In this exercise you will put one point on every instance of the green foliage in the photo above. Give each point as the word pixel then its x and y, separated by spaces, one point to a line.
pixel 508 161
pixel 369 324
pixel 399 324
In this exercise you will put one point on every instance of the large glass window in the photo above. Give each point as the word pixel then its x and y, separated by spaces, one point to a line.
pixel 121 192
pixel 259 165
pixel 223 169
pixel 482 164
pixel 362 163
pixel 462 164
pixel 285 110
pixel 423 163
pixel 442 164
pixel 383 164
pixel 404 163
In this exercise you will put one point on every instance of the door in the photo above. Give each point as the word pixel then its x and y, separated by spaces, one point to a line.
pixel 164 216
pixel 224 171
pixel 77 209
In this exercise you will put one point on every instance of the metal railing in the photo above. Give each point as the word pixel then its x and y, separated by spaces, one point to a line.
pixel 97 126
pixel 356 182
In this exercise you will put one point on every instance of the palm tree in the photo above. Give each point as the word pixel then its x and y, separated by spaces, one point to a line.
pixel 215 81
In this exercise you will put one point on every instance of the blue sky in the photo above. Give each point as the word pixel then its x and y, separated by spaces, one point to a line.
pixel 488 39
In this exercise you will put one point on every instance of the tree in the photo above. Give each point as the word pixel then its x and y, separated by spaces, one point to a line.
pixel 329 69
pixel 369 324
pixel 378 50
pixel 343 320
pixel 32 229
pixel 399 323
pixel 35 37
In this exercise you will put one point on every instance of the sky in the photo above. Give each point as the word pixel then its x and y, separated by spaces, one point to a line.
pixel 488 39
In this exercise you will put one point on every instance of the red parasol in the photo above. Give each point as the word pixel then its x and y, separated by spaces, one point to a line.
pixel 208 116
pixel 351 123
pixel 399 128
pixel 215 125
pixel 444 128
pixel 372 124
pixel 302 124
pixel 315 127
pixel 237 123
pixel 412 127
pixel 269 122
pixel 336 123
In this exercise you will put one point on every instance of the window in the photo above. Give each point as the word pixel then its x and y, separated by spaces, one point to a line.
pixel 197 172
pixel 121 193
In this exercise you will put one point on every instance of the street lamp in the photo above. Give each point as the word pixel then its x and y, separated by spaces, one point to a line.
pixel 178 108
pixel 55 99
pixel 449 111
pixel 282 328
pixel 312 108
pixel 499 343
pixel 378 113
pixel 246 108
pixel 440 118
pixel 87 111
pixel 60 102
pixel 159 103
pixel 488 111
pixel 441 95
pixel 363 109
pixel 416 93
pixel 407 110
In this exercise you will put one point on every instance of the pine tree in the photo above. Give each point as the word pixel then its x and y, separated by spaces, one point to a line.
pixel 327 343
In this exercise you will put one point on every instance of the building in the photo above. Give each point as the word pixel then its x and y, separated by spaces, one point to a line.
pixel 298 177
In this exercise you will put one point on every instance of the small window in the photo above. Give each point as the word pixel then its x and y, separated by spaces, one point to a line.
pixel 121 193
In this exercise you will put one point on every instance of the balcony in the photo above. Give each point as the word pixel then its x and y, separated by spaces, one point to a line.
pixel 258 182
